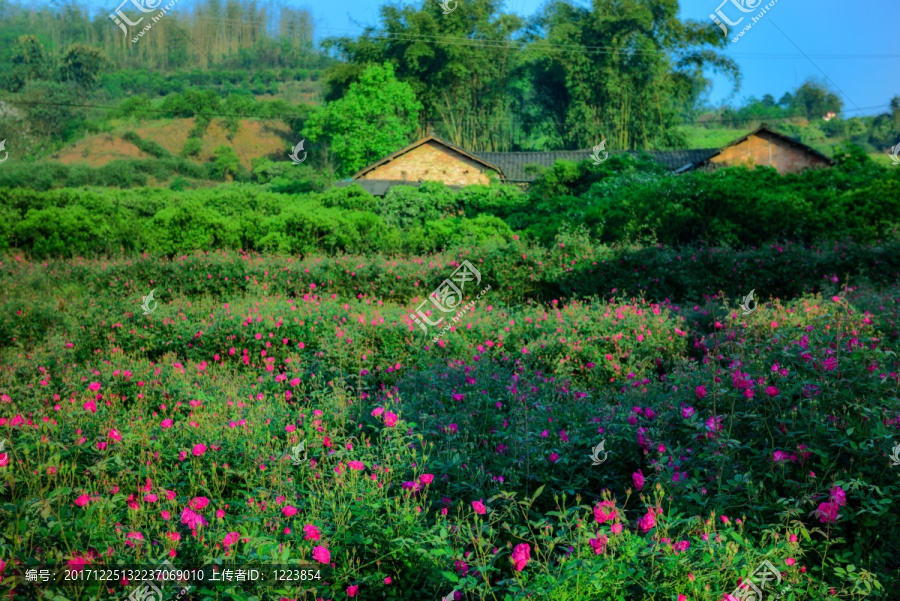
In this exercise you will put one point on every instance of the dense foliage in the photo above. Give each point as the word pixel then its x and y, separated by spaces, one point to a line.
pixel 626 200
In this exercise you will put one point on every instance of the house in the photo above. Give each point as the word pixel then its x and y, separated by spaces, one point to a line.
pixel 764 146
pixel 434 159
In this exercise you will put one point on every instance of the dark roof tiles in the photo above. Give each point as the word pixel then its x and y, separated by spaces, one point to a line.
pixel 513 163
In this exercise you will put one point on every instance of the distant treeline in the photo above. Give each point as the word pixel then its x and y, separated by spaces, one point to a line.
pixel 230 34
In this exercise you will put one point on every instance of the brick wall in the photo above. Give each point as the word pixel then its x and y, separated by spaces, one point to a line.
pixel 432 162
pixel 766 149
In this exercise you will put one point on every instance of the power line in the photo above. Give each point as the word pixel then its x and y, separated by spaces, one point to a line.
pixel 457 40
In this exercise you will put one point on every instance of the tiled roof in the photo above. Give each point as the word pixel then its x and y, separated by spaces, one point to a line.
pixel 513 163
pixel 379 187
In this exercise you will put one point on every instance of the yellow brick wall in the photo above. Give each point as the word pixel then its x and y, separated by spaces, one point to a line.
pixel 765 149
pixel 432 162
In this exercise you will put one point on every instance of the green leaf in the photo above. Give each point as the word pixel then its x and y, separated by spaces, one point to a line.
pixel 450 576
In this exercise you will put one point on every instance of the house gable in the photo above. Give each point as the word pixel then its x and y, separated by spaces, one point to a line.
pixel 764 146
pixel 430 159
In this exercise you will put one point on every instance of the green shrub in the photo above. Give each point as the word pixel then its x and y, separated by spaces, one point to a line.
pixel 192 148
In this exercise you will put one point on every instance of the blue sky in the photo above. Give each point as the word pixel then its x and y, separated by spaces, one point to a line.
pixel 857 49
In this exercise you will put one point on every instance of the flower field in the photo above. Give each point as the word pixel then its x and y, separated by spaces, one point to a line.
pixel 456 467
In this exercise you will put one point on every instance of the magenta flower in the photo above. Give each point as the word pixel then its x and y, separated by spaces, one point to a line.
pixel 838 496
pixel 687 412
pixel 166 423
pixel 638 478
pixel 114 435
pixel 377 411
pixel 312 533
pixel 94 386
pixel 321 554
pixel 604 516
pixel 554 457
pixel 648 522
pixel 198 503
pixel 352 590
pixel 426 478
pixel 772 391
pixel 520 556
pixel 714 423
pixel 700 391
pixel 479 507
pixel 780 456
pixel 198 449
pixel 192 519
pixel 289 510
pixel 599 544
pixel 356 465
pixel 82 500
pixel 390 419
pixel 827 512
pixel 230 539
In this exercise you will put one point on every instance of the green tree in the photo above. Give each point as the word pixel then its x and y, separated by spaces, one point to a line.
pixel 620 70
pixel 30 62
pixel 81 65
pixel 460 65
pixel 815 100
pixel 226 162
pixel 377 116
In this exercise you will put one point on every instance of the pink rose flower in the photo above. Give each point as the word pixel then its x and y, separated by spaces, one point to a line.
pixel 605 511
pixel 198 503
pixel 838 496
pixel 520 556
pixel 230 539
pixel 479 507
pixel 198 449
pixel 648 522
pixel 352 590
pixel 289 510
pixel 312 533
pixel 599 544
pixel 390 419
pixel 192 519
pixel 827 512
pixel 638 478
pixel 321 554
